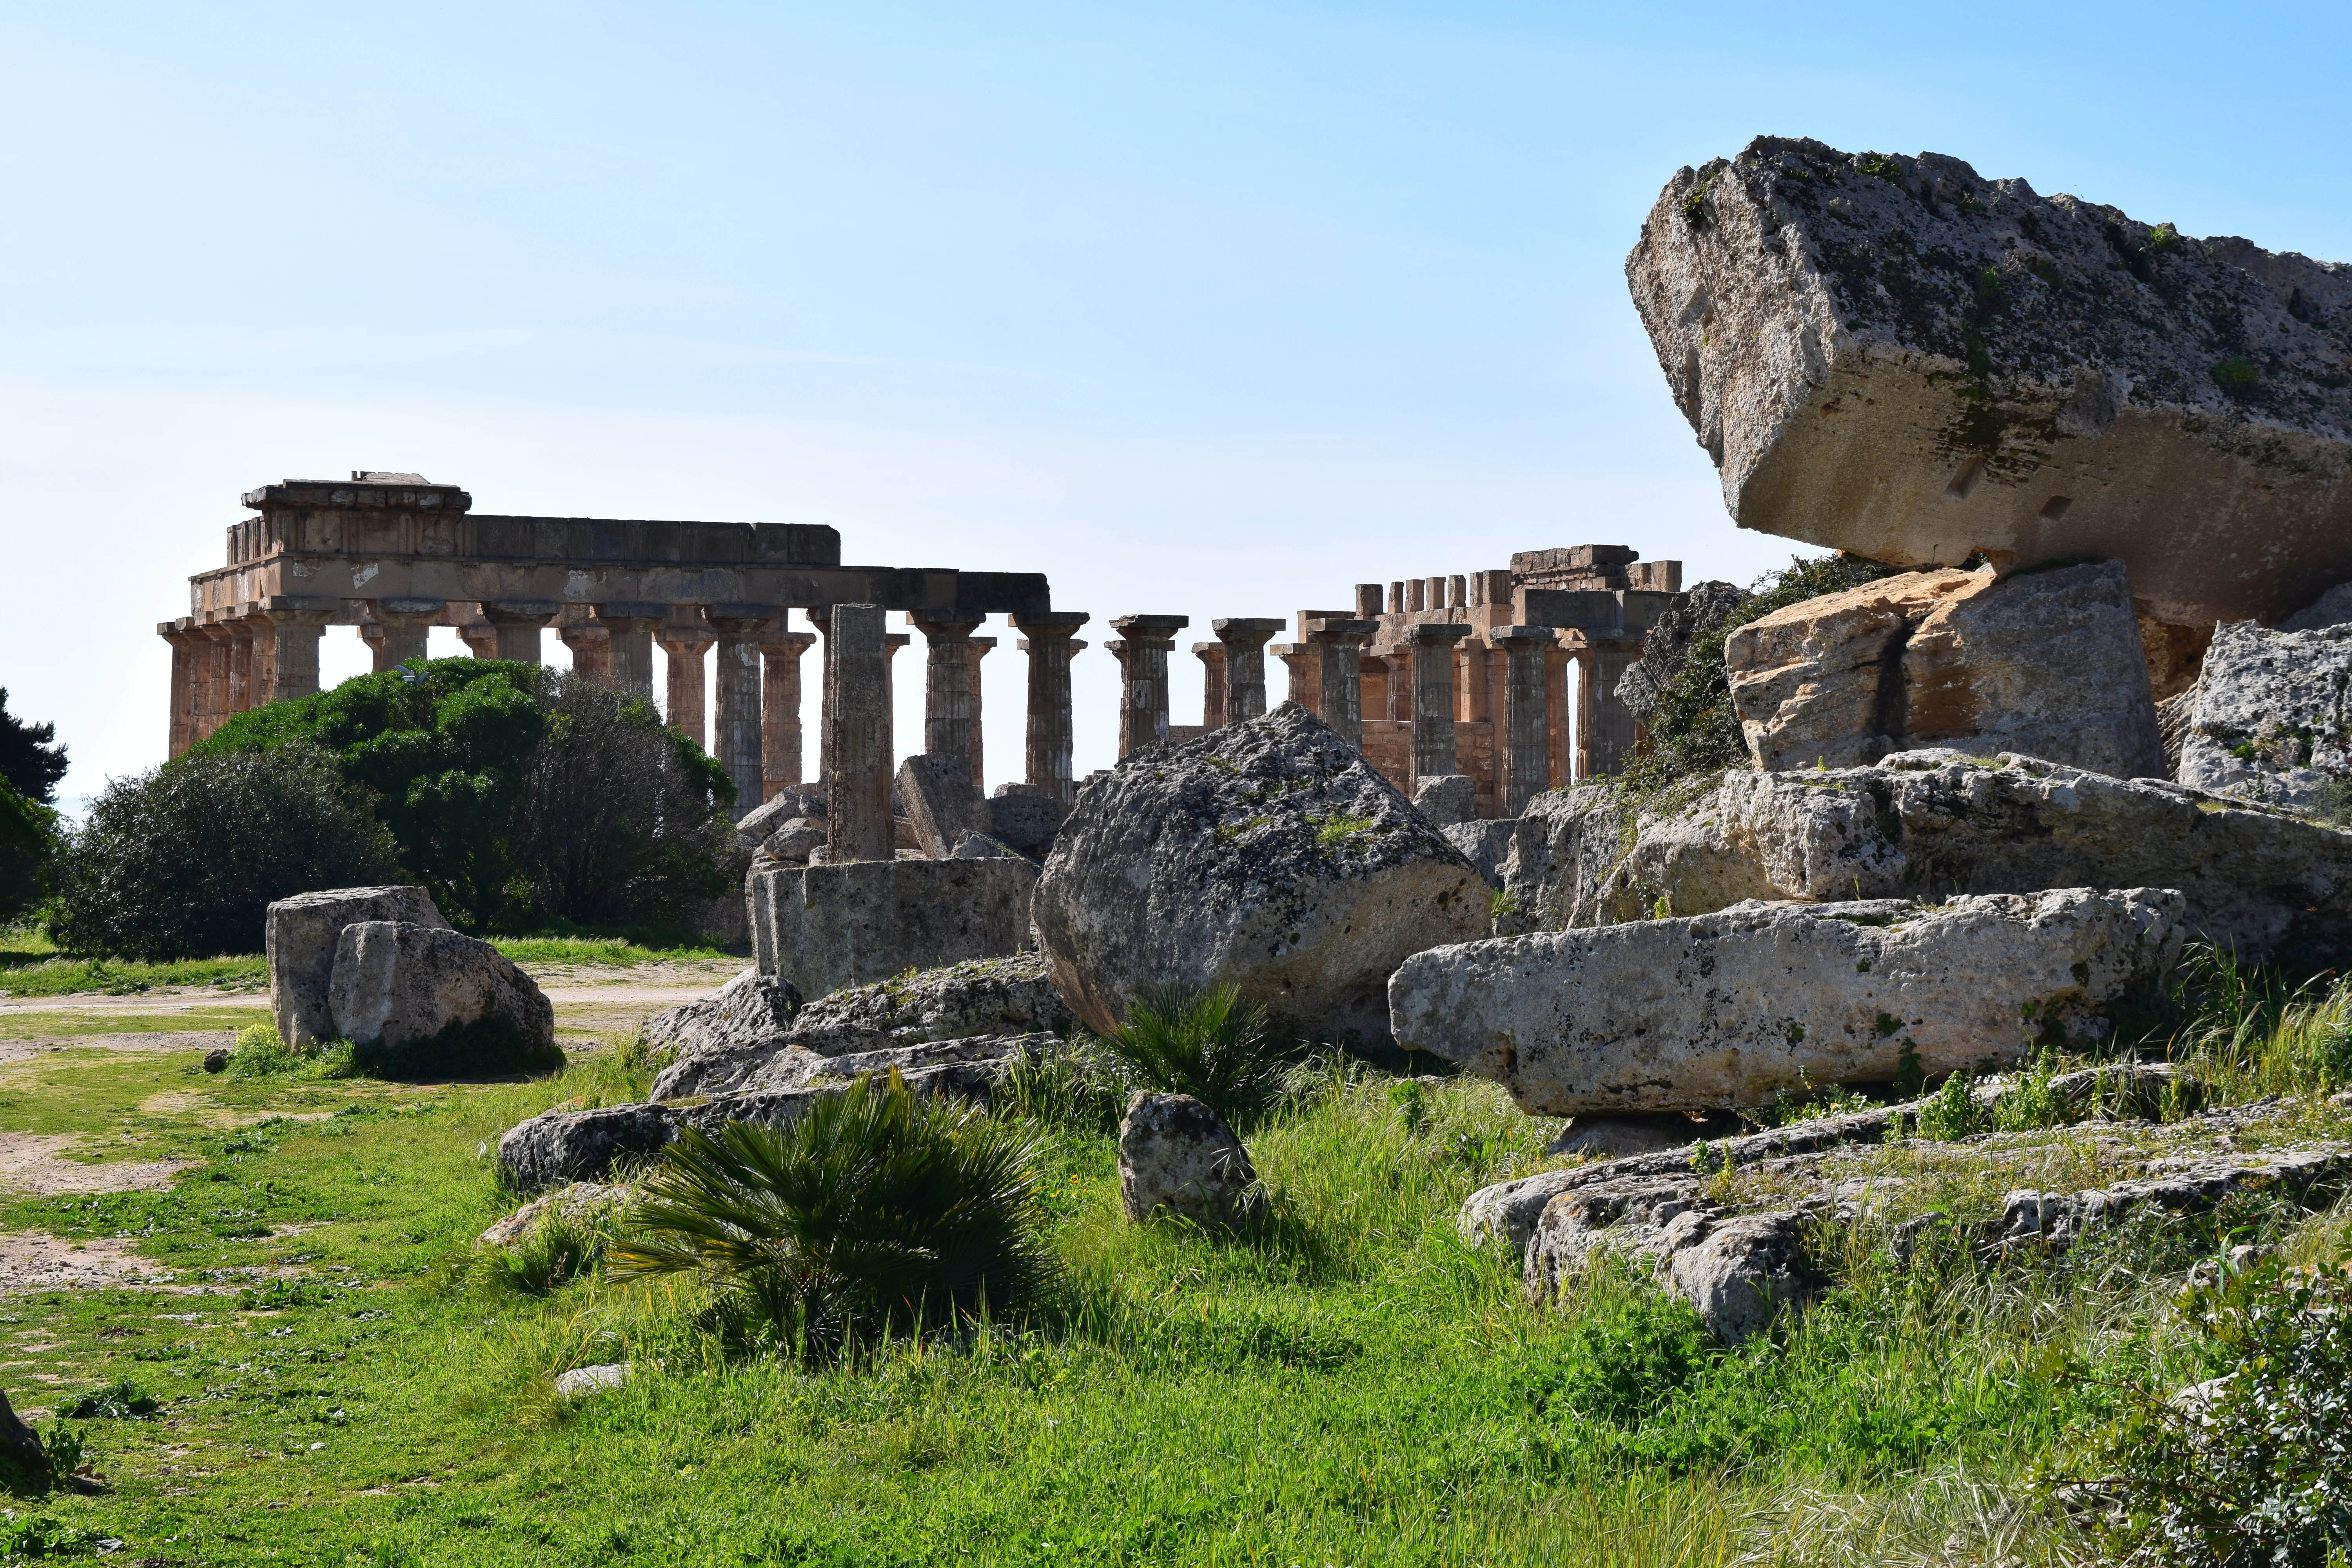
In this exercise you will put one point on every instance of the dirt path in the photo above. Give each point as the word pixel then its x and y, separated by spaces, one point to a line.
pixel 30 1163
pixel 645 985
pixel 30 1261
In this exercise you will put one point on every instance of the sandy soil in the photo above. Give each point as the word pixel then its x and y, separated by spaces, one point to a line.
pixel 32 1163
pixel 162 1040
pixel 30 1261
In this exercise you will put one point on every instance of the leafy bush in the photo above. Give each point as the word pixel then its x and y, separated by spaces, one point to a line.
pixel 184 861
pixel 1206 1045
pixel 516 794
pixel 1694 730
pixel 257 1052
pixel 121 1401
pixel 875 1213
pixel 28 852
pixel 1623 1365
pixel 2257 1473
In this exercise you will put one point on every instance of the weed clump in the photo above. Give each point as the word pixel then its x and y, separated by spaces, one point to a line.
pixel 258 1053
pixel 1205 1043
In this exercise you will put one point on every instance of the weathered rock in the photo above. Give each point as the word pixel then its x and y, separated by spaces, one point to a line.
pixel 1615 1137
pixel 1738 1270
pixel 395 982
pixel 763 821
pixel 970 846
pixel 2047 663
pixel 586 1145
pixel 2262 882
pixel 1891 355
pixel 1730 1009
pixel 216 1060
pixel 794 839
pixel 1006 996
pixel 2332 608
pixel 1175 1153
pixel 1267 856
pixel 753 1012
pixel 1665 645
pixel 1446 799
pixel 939 799
pixel 2269 720
pixel 300 935
pixel 824 927
pixel 1486 842
pixel 1565 849
pixel 581 1382
pixel 579 1199
pixel 1023 816
pixel 19 1444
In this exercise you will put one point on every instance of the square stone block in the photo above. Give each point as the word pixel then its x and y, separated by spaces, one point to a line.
pixel 826 927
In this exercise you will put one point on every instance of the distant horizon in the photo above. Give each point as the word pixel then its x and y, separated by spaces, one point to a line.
pixel 1211 312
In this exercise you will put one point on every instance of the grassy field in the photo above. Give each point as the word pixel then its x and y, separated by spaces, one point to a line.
pixel 339 1381
pixel 30 965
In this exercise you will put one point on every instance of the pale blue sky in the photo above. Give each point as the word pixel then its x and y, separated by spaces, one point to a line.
pixel 1203 309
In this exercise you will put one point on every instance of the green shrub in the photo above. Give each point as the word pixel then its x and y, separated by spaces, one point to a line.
pixel 1206 1045
pixel 2259 1472
pixel 184 861
pixel 256 1052
pixel 1624 1365
pixel 120 1400
pixel 1950 1114
pixel 568 1244
pixel 29 853
pixel 875 1214
pixel 516 794
pixel 31 763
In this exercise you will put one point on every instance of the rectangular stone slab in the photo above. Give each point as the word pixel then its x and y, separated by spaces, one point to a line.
pixel 825 927
pixel 1731 1008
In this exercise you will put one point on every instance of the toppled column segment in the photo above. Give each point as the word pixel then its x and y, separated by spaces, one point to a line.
pixel 1896 356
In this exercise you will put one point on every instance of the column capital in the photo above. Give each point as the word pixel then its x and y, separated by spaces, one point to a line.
pixel 1253 632
pixel 1518 638
pixel 946 625
pixel 1340 633
pixel 1209 652
pixel 1051 624
pixel 1151 630
pixel 686 640
pixel 625 612
pixel 1429 632
pixel 407 612
pixel 790 644
pixel 740 620
pixel 521 612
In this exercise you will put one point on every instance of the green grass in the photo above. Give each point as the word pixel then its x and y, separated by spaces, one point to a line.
pixel 611 951
pixel 1347 1382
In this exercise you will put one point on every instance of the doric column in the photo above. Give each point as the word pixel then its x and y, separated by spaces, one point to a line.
pixel 1458 591
pixel 1244 643
pixel 1367 601
pixel 1340 694
pixel 1049 641
pixel 1434 753
pixel 184 652
pixel 979 646
pixel 1416 593
pixel 1143 678
pixel 779 705
pixel 240 696
pixel 1556 660
pixel 1475 690
pixel 949 704
pixel 857 678
pixel 628 643
pixel 372 633
pixel 520 622
pixel 480 638
pixel 263 677
pixel 294 653
pixel 1400 684
pixel 686 645
pixel 403 621
pixel 1605 726
pixel 590 643
pixel 1396 598
pixel 1212 656
pixel 1302 669
pixel 737 735
pixel 211 695
pixel 1525 764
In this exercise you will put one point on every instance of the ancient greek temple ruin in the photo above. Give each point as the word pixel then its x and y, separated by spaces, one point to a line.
pixel 1448 676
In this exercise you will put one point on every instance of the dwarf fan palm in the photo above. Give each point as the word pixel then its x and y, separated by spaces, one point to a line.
pixel 1206 1045
pixel 874 1212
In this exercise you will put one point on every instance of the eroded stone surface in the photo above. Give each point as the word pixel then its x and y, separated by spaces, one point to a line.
pixel 1667 645
pixel 1892 355
pixel 395 981
pixel 2048 663
pixel 300 933
pixel 825 927
pixel 1730 1009
pixel 1176 1154
pixel 2268 721
pixel 1267 856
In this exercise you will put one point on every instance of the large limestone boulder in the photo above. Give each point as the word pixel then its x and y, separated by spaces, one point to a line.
pixel 300 935
pixel 2268 721
pixel 1267 856
pixel 750 1014
pixel 397 983
pixel 2046 663
pixel 1891 355
pixel 2259 881
pixel 1667 645
pixel 1730 1009
pixel 983 997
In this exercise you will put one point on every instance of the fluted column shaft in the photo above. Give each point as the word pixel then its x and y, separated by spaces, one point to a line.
pixel 1049 640
pixel 736 738
pixel 184 645
pixel 686 645
pixel 1433 752
pixel 1340 644
pixel 1212 656
pixel 294 653
pixel 629 645
pixel 404 624
pixel 520 623
pixel 781 745
pixel 949 704
pixel 857 680
pixel 1526 763
pixel 979 646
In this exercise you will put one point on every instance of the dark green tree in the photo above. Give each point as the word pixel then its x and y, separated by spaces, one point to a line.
pixel 28 846
pixel 30 761
pixel 184 861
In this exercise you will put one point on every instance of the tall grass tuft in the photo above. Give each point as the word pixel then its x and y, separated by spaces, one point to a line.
pixel 2253 1034
pixel 874 1214
pixel 1203 1044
